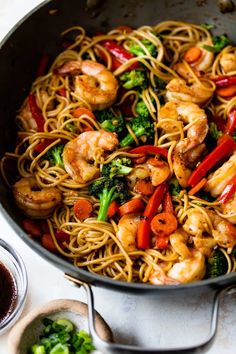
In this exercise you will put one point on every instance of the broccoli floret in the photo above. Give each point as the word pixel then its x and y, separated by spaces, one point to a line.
pixel 109 121
pixel 119 166
pixel 214 132
pixel 142 127
pixel 142 110
pixel 107 190
pixel 138 51
pixel 54 156
pixel 216 264
pixel 134 78
pixel 175 187
pixel 234 136
pixel 219 42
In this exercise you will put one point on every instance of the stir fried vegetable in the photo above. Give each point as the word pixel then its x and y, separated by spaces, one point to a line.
pixel 138 51
pixel 216 264
pixel 54 156
pixel 134 78
pixel 110 121
pixel 142 109
pixel 219 42
pixel 119 166
pixel 108 190
pixel 142 127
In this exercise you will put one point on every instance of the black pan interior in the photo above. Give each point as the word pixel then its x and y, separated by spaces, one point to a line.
pixel 39 33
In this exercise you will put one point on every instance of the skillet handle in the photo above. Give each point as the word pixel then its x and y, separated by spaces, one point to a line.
pixel 108 347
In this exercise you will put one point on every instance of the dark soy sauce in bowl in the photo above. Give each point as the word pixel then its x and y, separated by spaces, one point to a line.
pixel 8 293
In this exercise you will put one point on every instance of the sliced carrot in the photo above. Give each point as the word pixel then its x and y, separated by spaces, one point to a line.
pixel 48 243
pixel 162 242
pixel 167 203
pixel 139 160
pixel 32 228
pixel 133 206
pixel 144 187
pixel 164 224
pixel 192 55
pixel 198 186
pixel 78 112
pixel 112 209
pixel 227 91
pixel 83 209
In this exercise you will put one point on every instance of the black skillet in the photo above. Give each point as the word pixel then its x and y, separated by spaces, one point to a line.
pixel 38 33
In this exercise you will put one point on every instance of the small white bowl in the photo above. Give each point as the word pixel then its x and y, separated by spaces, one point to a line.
pixel 27 331
pixel 15 265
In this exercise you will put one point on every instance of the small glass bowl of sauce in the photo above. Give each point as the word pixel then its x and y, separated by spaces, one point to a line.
pixel 13 286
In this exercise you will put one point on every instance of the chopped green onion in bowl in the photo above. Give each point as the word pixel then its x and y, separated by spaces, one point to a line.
pixel 61 337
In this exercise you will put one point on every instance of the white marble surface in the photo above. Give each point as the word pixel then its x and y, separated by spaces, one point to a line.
pixel 134 319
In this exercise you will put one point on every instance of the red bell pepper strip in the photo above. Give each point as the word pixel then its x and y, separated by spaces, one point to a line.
pixel 42 65
pixel 36 112
pixel 231 122
pixel 224 80
pixel 226 147
pixel 149 149
pixel 143 235
pixel 167 203
pixel 119 52
pixel 115 64
pixel 228 191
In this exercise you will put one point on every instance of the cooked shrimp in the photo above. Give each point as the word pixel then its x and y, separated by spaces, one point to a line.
pixel 184 163
pixel 186 112
pixel 34 201
pixel 196 223
pixel 219 179
pixel 228 62
pixel 25 115
pixel 138 172
pixel 229 208
pixel 78 154
pixel 190 269
pixel 223 231
pixel 189 150
pixel 202 64
pixel 26 119
pixel 204 245
pixel 127 231
pixel 179 91
pixel 93 82
pixel 159 278
pixel 158 171
pixel 178 241
pixel 206 59
pixel 182 70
